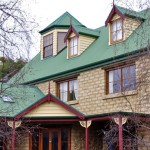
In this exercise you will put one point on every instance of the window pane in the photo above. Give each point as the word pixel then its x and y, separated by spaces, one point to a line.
pixel 71 51
pixel 64 139
pixel 60 40
pixel 54 140
pixel 115 81
pixel 71 43
pixel 117 75
pixel 111 81
pixel 45 140
pixel 119 34
pixel 114 27
pixel 73 46
pixel 129 78
pixel 75 50
pixel 73 90
pixel 48 51
pixel 119 24
pixel 64 91
pixel 114 38
pixel 75 41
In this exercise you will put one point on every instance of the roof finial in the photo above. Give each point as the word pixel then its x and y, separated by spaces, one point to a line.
pixel 113 2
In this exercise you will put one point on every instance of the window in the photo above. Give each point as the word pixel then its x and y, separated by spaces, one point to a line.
pixel 60 41
pixel 68 90
pixel 121 79
pixel 73 47
pixel 48 45
pixel 116 31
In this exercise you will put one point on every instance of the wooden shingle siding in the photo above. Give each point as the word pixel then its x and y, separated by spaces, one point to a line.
pixel 84 42
pixel 48 110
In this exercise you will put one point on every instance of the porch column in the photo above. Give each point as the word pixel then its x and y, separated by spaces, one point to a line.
pixel 120 134
pixel 86 137
pixel 13 125
pixel 86 125
pixel 13 136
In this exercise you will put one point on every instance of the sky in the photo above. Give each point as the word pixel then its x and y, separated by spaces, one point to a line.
pixel 91 13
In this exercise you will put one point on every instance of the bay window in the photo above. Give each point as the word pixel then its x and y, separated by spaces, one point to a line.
pixel 121 79
pixel 68 90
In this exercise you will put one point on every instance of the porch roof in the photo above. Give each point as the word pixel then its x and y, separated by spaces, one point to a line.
pixel 18 100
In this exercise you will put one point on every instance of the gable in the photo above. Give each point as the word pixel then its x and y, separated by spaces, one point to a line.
pixel 49 109
pixel 116 16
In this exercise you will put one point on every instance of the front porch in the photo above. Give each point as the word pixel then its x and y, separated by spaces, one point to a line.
pixel 104 133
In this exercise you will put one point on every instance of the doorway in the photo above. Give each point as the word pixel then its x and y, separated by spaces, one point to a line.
pixel 50 139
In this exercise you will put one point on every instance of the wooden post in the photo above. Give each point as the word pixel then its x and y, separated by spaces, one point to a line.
pixel 120 134
pixel 86 137
pixel 13 136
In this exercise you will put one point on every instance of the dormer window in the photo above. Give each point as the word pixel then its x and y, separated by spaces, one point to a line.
pixel 116 31
pixel 48 45
pixel 73 46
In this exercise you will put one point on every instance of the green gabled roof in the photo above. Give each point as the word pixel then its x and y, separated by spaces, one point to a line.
pixel 99 53
pixel 63 21
pixel 22 97
pixel 130 13
pixel 86 31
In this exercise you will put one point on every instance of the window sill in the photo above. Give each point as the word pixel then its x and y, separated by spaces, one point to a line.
pixel 73 102
pixel 116 95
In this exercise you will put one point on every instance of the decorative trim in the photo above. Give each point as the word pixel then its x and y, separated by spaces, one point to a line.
pixel 113 11
pixel 71 29
pixel 49 98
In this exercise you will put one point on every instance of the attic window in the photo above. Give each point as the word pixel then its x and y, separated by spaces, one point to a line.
pixel 73 46
pixel 116 31
pixel 47 45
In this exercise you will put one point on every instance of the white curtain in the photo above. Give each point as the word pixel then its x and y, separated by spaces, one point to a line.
pixel 63 91
pixel 75 45
pixel 111 78
pixel 76 88
pixel 119 29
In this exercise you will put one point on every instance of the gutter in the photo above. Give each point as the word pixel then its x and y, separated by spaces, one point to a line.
pixel 85 67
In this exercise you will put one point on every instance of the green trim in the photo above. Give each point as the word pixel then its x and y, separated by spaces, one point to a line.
pixel 117 113
pixel 54 27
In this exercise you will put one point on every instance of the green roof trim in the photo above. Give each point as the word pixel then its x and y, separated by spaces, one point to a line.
pixel 117 114
pixel 86 31
pixel 63 21
pixel 130 13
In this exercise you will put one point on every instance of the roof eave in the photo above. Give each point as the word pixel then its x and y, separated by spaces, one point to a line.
pixel 52 27
pixel 113 11
pixel 71 29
